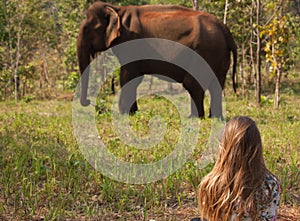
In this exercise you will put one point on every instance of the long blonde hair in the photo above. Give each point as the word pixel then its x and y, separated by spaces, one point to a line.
pixel 237 175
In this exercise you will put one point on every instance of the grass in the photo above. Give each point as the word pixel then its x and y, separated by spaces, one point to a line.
pixel 45 176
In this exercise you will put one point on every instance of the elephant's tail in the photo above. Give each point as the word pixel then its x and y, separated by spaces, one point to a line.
pixel 234 52
pixel 233 48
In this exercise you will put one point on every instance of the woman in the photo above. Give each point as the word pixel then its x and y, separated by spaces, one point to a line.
pixel 239 187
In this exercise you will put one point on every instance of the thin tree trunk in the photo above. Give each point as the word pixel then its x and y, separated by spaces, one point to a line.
pixel 277 88
pixel 225 12
pixel 242 63
pixel 151 83
pixel 24 87
pixel 277 80
pixel 14 56
pixel 252 63
pixel 258 52
pixel 278 64
pixel 11 54
pixel 243 77
pixel 16 83
pixel 170 86
pixel 195 4
pixel 17 58
pixel 45 68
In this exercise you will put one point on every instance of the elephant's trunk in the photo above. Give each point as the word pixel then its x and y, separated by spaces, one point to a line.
pixel 84 53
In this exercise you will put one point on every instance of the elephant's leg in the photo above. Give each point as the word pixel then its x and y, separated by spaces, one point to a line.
pixel 197 97
pixel 129 83
pixel 197 108
pixel 215 90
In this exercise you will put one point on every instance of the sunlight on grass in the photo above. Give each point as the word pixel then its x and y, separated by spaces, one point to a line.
pixel 43 173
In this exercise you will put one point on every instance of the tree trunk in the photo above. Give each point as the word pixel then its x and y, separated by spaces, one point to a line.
pixel 243 77
pixel 279 64
pixel 225 12
pixel 16 85
pixel 17 59
pixel 151 83
pixel 277 88
pixel 258 51
pixel 242 63
pixel 277 79
pixel 195 4
pixel 252 63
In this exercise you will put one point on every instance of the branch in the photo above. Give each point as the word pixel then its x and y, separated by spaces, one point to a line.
pixel 275 12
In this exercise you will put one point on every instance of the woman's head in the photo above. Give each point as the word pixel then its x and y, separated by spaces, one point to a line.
pixel 237 174
pixel 241 146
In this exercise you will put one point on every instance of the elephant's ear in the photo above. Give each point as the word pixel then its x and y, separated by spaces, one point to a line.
pixel 113 27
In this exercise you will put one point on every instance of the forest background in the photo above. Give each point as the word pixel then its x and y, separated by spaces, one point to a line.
pixel 38 42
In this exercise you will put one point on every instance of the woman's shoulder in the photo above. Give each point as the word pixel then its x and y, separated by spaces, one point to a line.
pixel 271 177
pixel 270 198
pixel 271 184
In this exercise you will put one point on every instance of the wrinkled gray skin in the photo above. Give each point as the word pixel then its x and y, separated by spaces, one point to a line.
pixel 108 25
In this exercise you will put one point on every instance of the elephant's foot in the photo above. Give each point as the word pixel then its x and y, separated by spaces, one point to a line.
pixel 132 111
pixel 124 109
pixel 196 115
pixel 129 112
pixel 197 111
pixel 218 117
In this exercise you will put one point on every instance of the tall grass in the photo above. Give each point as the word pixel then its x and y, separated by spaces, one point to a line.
pixel 44 174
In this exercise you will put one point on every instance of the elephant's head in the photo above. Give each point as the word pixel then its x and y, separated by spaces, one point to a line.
pixel 96 34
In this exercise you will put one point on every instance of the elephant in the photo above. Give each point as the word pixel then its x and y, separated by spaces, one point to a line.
pixel 107 25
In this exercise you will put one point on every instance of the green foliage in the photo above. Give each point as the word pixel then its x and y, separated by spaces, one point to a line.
pixel 186 3
pixel 277 37
pixel 29 27
pixel 129 2
pixel 72 80
pixel 3 33
pixel 28 98
pixel 70 14
pixel 48 32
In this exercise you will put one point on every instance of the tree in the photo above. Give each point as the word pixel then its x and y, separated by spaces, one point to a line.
pixel 38 41
pixel 29 29
pixel 195 4
pixel 258 53
pixel 225 12
pixel 14 25
pixel 277 34
pixel 186 3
